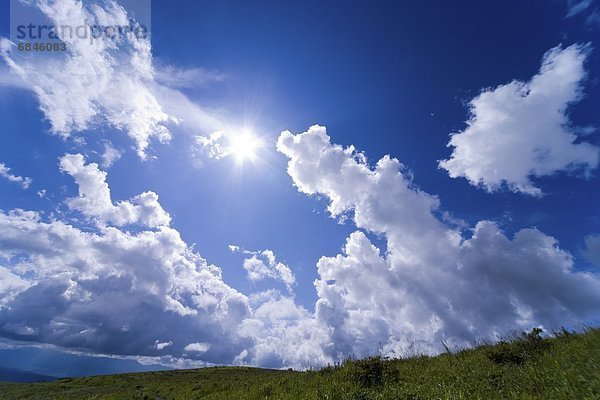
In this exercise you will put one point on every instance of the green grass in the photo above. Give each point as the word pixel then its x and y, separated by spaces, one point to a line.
pixel 566 366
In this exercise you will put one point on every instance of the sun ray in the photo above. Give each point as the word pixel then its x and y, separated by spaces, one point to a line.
pixel 244 146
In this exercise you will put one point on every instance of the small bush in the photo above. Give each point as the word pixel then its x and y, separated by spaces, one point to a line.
pixel 519 351
pixel 329 368
pixel 368 372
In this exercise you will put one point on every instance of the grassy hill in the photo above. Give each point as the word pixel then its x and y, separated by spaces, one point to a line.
pixel 566 366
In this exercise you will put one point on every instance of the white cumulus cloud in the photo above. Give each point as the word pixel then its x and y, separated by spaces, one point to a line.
pixel 431 283
pixel 162 345
pixel 263 264
pixel 145 295
pixel 59 282
pixel 95 202
pixel 113 291
pixel 522 130
pixel 197 347
pixel 284 334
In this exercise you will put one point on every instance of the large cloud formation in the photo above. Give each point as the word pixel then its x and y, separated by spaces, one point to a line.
pixel 122 281
pixel 107 290
pixel 432 283
pixel 522 130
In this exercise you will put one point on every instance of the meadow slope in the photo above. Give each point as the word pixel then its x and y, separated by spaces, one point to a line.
pixel 566 366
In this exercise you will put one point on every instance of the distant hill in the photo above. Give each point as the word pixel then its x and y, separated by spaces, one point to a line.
pixel 15 375
pixel 526 366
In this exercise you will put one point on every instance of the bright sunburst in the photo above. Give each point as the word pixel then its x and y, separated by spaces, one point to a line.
pixel 244 146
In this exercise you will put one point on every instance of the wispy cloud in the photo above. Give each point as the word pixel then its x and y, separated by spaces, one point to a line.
pixel 577 7
pixel 586 9
pixel 110 155
pixel 592 249
pixel 5 173
pixel 174 77
pixel 212 146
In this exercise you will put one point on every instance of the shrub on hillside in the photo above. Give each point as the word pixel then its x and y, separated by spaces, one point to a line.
pixel 520 350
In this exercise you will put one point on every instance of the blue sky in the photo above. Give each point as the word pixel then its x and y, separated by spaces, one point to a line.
pixel 516 82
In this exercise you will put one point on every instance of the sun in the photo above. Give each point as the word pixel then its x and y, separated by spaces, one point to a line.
pixel 244 146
